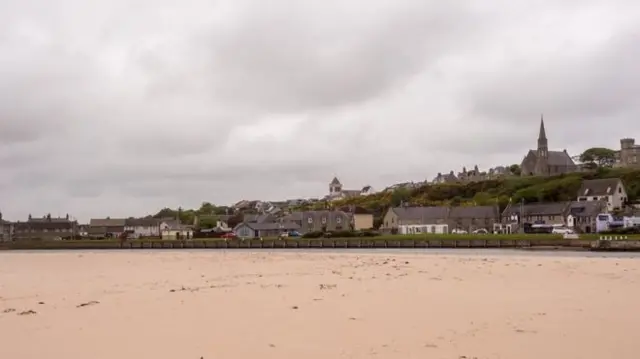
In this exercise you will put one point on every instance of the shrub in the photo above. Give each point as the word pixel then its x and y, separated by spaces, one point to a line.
pixel 314 234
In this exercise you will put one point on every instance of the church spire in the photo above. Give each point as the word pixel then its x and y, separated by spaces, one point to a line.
pixel 543 149
pixel 543 134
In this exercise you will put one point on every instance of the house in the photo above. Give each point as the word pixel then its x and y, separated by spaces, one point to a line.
pixel 536 213
pixel 361 218
pixel 542 162
pixel 472 218
pixel 45 228
pixel 259 218
pixel 173 229
pixel 367 190
pixel 582 215
pixel 609 189
pixel 264 230
pixel 314 221
pixel 400 216
pixel 106 227
pixel 142 227
pixel 446 178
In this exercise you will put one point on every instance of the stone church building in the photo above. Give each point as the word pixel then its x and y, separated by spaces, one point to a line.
pixel 542 162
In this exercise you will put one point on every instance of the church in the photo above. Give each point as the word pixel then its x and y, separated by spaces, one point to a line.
pixel 542 162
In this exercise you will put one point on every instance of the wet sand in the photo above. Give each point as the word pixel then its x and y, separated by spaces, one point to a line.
pixel 212 304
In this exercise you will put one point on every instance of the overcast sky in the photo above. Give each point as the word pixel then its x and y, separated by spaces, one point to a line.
pixel 122 107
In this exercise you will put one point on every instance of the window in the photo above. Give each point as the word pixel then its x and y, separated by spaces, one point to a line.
pixel 595 198
pixel 338 220
pixel 619 189
pixel 309 220
pixel 324 220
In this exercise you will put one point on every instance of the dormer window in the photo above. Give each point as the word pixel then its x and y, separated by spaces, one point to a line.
pixel 324 220
pixel 608 189
pixel 586 191
pixel 309 220
pixel 338 220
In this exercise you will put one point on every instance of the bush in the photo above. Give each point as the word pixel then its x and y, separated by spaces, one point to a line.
pixel 342 234
pixel 368 233
pixel 314 234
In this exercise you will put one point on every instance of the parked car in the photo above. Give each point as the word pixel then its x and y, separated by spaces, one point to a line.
pixel 229 235
pixel 481 231
pixel 562 230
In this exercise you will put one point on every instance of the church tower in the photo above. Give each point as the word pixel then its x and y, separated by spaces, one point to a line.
pixel 542 163
pixel 335 186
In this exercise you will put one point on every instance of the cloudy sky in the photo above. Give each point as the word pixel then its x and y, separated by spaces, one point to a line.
pixel 122 107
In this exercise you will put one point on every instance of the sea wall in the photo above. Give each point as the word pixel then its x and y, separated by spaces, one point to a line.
pixel 476 242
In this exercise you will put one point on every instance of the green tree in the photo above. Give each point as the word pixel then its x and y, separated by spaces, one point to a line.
pixel 598 157
pixel 483 199
pixel 515 169
pixel 207 221
pixel 206 208
pixel 400 195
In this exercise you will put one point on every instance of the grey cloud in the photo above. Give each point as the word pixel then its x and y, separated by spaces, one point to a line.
pixel 599 83
pixel 112 109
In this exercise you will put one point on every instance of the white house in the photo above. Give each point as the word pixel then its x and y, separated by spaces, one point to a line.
pixel 142 227
pixel 173 229
pixel 610 189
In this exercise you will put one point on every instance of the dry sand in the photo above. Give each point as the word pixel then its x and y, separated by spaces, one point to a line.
pixel 213 304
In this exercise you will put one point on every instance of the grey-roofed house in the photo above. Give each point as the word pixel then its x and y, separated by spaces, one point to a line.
pixel 174 229
pixel 264 230
pixel 106 227
pixel 45 228
pixel 582 215
pixel 142 227
pixel 543 213
pixel 315 221
pixel 399 216
pixel 258 218
pixel 471 218
pixel 611 190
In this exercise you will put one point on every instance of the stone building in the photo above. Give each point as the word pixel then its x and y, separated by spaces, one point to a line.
pixel 542 162
pixel 629 154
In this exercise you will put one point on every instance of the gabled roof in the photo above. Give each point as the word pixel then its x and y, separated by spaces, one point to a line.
pixel 598 187
pixel 537 209
pixel 269 226
pixel 141 222
pixel 258 218
pixel 474 212
pixel 587 208
pixel 107 222
pixel 418 213
pixel 335 181
pixel 555 158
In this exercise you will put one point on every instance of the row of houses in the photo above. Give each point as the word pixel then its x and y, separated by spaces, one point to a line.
pixel 52 228
pixel 254 226
pixel 594 197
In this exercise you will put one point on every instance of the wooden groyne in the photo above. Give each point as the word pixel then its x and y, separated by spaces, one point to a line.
pixel 346 243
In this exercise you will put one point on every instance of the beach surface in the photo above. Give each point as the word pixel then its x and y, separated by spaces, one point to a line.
pixel 216 304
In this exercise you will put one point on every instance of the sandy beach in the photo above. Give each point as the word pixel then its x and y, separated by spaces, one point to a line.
pixel 214 304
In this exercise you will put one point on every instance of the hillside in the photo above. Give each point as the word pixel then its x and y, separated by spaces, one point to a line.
pixel 531 189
